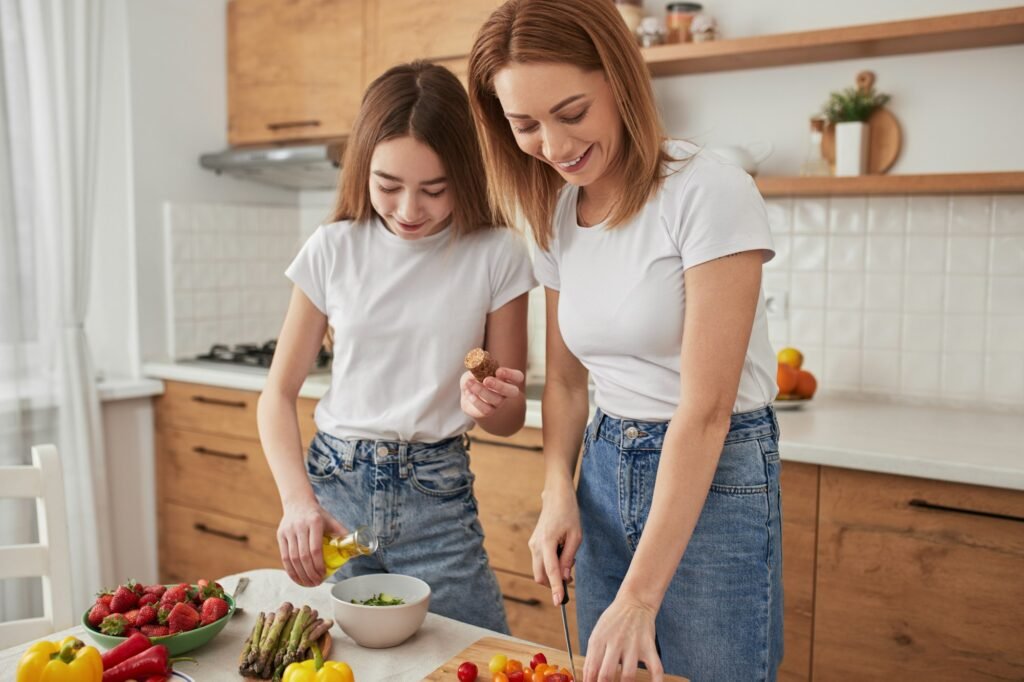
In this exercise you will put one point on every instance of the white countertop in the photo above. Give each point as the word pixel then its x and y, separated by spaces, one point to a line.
pixel 943 443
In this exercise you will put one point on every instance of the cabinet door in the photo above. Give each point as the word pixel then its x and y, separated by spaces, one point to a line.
pixel 294 69
pixel 402 30
pixel 917 580
pixel 799 484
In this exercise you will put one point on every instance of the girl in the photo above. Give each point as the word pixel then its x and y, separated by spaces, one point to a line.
pixel 682 454
pixel 410 273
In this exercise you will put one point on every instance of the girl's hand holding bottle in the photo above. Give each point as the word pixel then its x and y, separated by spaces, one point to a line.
pixel 300 538
pixel 482 399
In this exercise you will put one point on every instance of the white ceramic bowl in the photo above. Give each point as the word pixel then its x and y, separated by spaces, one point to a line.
pixel 380 627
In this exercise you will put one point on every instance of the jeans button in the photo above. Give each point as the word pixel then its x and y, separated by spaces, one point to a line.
pixel 382 450
pixel 632 432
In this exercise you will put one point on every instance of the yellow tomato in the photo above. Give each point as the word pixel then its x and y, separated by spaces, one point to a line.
pixel 497 663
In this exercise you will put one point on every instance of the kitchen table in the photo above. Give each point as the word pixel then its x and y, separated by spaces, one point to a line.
pixel 438 639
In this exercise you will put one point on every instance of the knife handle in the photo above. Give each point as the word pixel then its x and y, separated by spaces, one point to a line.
pixel 565 583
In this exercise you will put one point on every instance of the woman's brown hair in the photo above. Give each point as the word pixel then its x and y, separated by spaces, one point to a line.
pixel 591 35
pixel 427 102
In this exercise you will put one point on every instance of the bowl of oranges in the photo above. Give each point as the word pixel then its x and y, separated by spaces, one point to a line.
pixel 796 385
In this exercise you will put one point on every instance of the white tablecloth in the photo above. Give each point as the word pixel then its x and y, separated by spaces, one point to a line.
pixel 438 640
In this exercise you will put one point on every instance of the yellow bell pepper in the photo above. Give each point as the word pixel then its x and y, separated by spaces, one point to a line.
pixel 317 669
pixel 67 661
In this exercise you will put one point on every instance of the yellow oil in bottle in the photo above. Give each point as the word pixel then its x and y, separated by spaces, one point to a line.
pixel 339 549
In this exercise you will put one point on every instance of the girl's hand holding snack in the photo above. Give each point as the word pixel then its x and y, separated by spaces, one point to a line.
pixel 486 386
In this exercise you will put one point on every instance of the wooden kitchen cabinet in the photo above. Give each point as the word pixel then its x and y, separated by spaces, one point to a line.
pixel 217 505
pixel 294 69
pixel 917 580
pixel 799 486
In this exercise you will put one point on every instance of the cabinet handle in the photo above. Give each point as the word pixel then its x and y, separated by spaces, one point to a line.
pixel 293 124
pixel 241 456
pixel 500 444
pixel 218 401
pixel 532 601
pixel 924 504
pixel 203 528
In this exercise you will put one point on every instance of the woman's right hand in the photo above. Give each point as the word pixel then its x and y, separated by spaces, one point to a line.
pixel 300 538
pixel 557 527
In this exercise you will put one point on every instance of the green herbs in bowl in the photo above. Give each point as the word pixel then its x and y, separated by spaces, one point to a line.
pixel 380 599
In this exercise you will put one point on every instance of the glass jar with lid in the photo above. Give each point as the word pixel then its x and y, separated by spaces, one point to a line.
pixel 678 17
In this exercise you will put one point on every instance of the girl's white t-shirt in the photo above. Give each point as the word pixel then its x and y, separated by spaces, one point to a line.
pixel 622 298
pixel 404 314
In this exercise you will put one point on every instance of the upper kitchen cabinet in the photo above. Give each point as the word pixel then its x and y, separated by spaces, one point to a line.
pixel 442 31
pixel 294 69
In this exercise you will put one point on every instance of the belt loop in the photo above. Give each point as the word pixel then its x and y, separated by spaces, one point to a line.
pixel 348 453
pixel 598 421
pixel 467 442
pixel 403 460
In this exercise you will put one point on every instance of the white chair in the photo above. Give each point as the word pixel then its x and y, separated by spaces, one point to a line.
pixel 51 558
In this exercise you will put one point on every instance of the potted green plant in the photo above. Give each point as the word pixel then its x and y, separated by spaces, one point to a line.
pixel 849 110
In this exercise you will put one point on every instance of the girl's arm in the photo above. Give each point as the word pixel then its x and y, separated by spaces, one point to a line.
pixel 498 404
pixel 300 532
pixel 721 299
pixel 565 407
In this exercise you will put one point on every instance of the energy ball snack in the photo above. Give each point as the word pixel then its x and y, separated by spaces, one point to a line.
pixel 481 364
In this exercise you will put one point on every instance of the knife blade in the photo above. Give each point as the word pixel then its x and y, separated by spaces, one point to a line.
pixel 565 621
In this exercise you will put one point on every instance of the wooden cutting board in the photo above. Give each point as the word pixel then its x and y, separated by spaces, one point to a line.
pixel 481 651
pixel 884 141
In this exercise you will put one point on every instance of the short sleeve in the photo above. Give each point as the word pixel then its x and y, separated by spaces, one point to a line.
pixel 512 274
pixel 545 267
pixel 309 269
pixel 721 213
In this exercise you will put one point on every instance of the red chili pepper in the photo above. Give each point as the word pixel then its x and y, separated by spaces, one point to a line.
pixel 135 644
pixel 152 661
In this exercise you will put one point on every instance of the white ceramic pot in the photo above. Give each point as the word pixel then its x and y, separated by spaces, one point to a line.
pixel 852 148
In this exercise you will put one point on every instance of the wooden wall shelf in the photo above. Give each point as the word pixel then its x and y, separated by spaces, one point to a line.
pixel 931 34
pixel 945 183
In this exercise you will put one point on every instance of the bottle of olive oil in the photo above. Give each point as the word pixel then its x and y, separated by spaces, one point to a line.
pixel 339 549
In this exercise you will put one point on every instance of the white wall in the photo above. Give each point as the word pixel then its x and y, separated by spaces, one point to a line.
pixel 958 110
pixel 178 83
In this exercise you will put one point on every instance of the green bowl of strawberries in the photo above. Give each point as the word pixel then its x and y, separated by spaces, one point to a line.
pixel 182 617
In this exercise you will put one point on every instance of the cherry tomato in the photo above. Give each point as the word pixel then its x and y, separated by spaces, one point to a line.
pixel 516 676
pixel 467 672
pixel 499 677
pixel 566 672
pixel 556 677
pixel 512 665
pixel 528 675
pixel 537 659
pixel 497 663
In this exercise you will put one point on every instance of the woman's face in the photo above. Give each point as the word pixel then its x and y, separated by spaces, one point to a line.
pixel 409 189
pixel 562 115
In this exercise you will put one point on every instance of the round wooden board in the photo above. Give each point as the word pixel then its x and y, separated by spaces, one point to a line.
pixel 325 649
pixel 884 140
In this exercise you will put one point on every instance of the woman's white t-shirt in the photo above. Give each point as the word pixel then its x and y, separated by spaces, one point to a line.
pixel 622 299
pixel 404 314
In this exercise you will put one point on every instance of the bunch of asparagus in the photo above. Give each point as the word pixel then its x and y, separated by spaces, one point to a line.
pixel 279 639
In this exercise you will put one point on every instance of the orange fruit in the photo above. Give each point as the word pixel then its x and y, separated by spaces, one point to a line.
pixel 806 384
pixel 787 379
pixel 791 357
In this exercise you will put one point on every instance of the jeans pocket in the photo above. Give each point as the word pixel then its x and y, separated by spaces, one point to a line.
pixel 322 461
pixel 445 476
pixel 741 469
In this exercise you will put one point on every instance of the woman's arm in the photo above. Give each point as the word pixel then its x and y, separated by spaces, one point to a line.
pixel 564 409
pixel 721 299
pixel 302 526
pixel 498 404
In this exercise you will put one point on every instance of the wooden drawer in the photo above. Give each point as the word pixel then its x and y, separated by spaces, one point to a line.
pixel 509 479
pixel 799 537
pixel 225 475
pixel 196 544
pixel 532 616
pixel 208 409
pixel 917 580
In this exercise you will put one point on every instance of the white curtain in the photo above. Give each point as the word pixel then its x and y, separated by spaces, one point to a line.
pixel 49 121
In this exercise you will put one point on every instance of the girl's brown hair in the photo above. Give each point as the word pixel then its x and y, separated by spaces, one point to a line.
pixel 591 35
pixel 428 102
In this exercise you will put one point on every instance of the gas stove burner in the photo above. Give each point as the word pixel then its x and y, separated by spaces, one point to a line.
pixel 253 355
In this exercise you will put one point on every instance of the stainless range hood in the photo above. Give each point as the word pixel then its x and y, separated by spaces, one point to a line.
pixel 306 166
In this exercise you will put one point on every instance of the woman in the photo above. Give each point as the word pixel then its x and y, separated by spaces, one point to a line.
pixel 651 255
pixel 410 273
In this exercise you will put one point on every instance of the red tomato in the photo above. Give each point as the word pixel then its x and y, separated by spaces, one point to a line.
pixel 556 677
pixel 516 676
pixel 467 672
pixel 537 659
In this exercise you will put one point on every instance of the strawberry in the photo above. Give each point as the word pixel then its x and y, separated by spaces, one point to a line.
pixel 104 597
pixel 174 595
pixel 148 598
pixel 162 614
pixel 137 588
pixel 98 613
pixel 114 624
pixel 124 600
pixel 214 609
pixel 155 630
pixel 182 618
pixel 208 591
pixel 130 617
pixel 145 616
pixel 158 590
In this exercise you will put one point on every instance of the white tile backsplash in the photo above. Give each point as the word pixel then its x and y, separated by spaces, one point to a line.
pixel 927 291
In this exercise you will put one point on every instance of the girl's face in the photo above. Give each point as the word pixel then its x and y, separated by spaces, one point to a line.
pixel 408 188
pixel 562 115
